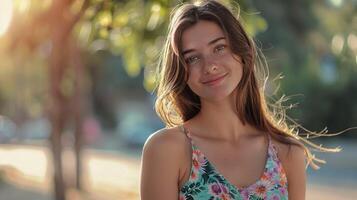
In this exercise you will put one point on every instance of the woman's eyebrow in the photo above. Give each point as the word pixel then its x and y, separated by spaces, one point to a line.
pixel 216 40
pixel 209 43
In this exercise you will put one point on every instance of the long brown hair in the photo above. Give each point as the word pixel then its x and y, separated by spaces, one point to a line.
pixel 177 103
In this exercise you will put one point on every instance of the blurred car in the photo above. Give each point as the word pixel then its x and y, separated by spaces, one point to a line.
pixel 35 129
pixel 7 129
pixel 137 121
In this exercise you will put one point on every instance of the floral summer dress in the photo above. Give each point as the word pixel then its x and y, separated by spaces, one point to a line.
pixel 206 183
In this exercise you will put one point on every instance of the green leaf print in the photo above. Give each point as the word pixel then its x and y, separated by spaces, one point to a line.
pixel 219 178
pixel 189 197
pixel 205 178
pixel 253 197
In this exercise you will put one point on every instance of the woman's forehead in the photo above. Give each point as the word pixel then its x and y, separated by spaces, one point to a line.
pixel 200 34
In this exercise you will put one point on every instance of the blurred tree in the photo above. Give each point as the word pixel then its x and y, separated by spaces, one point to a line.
pixel 54 24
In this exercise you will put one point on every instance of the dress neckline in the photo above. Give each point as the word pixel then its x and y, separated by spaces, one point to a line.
pixel 237 188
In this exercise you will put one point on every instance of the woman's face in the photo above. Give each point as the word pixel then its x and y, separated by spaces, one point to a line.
pixel 214 71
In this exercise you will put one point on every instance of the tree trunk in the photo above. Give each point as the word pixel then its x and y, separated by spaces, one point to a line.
pixel 59 186
pixel 57 119
pixel 78 108
pixel 59 101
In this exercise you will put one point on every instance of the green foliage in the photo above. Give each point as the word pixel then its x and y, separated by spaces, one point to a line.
pixel 318 72
pixel 135 30
pixel 312 43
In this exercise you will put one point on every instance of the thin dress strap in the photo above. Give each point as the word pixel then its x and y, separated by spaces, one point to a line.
pixel 269 140
pixel 185 131
pixel 273 148
pixel 188 135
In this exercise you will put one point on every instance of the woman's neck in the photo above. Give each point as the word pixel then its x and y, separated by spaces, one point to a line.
pixel 219 121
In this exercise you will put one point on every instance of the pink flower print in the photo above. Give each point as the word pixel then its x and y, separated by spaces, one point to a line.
pixel 195 164
pixel 261 188
pixel 275 197
pixel 194 176
pixel 283 181
pixel 198 161
pixel 283 191
pixel 276 170
pixel 245 194
pixel 281 170
pixel 201 158
pixel 219 190
pixel 225 196
pixel 224 189
pixel 267 176
pixel 215 189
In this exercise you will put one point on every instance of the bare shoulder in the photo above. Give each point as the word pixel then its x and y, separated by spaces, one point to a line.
pixel 290 154
pixel 293 160
pixel 162 158
pixel 166 140
pixel 166 145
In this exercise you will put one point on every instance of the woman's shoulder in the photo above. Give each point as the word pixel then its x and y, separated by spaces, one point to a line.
pixel 293 160
pixel 288 151
pixel 164 154
pixel 167 141
pixel 167 137
pixel 292 156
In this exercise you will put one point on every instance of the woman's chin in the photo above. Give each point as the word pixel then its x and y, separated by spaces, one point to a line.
pixel 217 97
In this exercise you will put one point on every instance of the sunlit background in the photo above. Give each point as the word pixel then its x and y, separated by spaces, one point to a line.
pixel 77 80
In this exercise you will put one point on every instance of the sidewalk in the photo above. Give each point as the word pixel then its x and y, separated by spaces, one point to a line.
pixel 27 170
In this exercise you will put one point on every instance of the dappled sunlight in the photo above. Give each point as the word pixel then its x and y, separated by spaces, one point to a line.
pixel 31 163
pixel 337 44
pixel 26 168
pixel 5 15
pixel 336 3
pixel 111 174
pixel 22 5
pixel 103 173
pixel 352 42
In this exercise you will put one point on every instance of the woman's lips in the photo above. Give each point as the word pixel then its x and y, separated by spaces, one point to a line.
pixel 215 80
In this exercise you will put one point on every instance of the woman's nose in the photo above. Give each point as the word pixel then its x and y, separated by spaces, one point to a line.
pixel 210 66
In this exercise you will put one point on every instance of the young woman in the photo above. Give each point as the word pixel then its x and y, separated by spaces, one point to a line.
pixel 222 141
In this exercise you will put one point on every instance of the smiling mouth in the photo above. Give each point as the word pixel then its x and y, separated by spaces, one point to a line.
pixel 215 80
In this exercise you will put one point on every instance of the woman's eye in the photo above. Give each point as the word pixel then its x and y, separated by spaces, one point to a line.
pixel 192 60
pixel 220 48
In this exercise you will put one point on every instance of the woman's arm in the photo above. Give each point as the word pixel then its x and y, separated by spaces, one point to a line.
pixel 294 164
pixel 161 157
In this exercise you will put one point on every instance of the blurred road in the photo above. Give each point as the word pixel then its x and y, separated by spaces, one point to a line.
pixel 26 174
